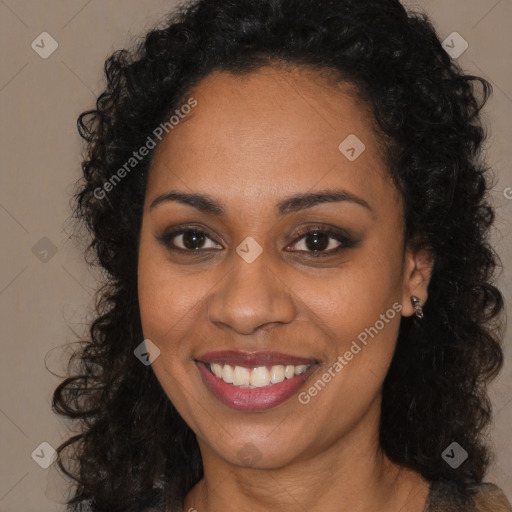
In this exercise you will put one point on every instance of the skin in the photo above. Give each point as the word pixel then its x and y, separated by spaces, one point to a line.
pixel 250 142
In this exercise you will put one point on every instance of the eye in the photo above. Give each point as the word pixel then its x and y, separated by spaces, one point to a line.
pixel 188 240
pixel 317 241
pixel 314 241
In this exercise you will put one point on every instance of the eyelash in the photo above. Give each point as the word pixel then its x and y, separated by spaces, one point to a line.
pixel 346 242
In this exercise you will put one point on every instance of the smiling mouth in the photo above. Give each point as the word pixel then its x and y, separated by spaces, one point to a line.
pixel 254 382
pixel 257 377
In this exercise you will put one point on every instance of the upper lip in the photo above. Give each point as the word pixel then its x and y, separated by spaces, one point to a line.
pixel 253 359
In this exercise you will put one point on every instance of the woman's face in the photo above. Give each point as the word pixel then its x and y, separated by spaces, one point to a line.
pixel 251 289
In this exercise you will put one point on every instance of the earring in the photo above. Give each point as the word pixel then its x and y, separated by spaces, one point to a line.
pixel 416 304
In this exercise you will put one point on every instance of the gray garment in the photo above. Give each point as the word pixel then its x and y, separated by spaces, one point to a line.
pixel 446 496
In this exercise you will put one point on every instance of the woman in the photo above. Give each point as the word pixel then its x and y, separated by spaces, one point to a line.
pixel 290 205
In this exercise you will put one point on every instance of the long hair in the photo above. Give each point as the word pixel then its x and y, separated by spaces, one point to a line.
pixel 133 446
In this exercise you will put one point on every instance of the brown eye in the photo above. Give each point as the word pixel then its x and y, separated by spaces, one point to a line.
pixel 321 242
pixel 188 240
pixel 316 241
pixel 193 239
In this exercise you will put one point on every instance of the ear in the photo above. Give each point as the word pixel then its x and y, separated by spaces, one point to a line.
pixel 418 266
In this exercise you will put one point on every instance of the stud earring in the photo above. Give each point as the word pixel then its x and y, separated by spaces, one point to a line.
pixel 416 304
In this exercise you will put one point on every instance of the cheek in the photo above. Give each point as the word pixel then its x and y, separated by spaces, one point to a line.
pixel 167 308
pixel 353 297
pixel 166 296
pixel 361 322
pixel 359 311
pixel 168 302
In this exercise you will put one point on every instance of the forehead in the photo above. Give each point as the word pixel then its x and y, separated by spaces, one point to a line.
pixel 269 130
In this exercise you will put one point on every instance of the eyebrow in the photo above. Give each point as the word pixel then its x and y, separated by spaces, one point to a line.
pixel 207 204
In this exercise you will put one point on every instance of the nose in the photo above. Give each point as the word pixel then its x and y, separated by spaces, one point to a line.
pixel 251 296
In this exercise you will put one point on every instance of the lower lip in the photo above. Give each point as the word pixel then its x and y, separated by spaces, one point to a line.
pixel 252 399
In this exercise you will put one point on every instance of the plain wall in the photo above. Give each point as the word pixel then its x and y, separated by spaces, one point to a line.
pixel 46 288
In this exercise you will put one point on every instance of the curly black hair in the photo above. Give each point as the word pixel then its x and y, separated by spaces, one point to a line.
pixel 133 445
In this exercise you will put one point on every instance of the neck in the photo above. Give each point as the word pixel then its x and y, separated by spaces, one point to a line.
pixel 349 475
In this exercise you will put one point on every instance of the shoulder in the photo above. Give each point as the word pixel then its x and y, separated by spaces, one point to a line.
pixel 448 496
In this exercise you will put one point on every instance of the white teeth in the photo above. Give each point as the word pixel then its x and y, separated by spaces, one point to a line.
pixel 277 374
pixel 241 376
pixel 289 371
pixel 301 368
pixel 258 377
pixel 216 369
pixel 227 374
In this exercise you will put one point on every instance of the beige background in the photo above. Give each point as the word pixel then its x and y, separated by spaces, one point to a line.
pixel 41 303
